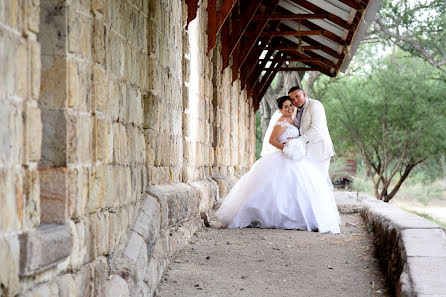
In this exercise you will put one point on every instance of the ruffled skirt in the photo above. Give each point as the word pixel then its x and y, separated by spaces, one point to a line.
pixel 281 193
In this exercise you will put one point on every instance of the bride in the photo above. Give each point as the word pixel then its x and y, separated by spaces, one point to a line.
pixel 281 192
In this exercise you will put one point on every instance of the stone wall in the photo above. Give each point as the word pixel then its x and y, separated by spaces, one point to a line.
pixel 116 132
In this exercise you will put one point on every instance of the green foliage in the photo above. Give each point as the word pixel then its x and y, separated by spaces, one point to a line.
pixel 416 26
pixel 392 112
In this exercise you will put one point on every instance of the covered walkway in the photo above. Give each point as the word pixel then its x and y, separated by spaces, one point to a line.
pixel 269 262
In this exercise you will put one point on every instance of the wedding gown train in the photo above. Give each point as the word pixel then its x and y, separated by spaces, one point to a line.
pixel 278 192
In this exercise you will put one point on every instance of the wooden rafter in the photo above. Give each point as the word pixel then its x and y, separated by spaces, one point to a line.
pixel 297 33
pixel 256 52
pixel 304 47
pixel 225 37
pixel 313 42
pixel 280 17
pixel 302 60
pixel 268 82
pixel 253 36
pixel 263 83
pixel 316 9
pixel 253 78
pixel 297 69
pixel 240 28
pixel 216 19
pixel 192 6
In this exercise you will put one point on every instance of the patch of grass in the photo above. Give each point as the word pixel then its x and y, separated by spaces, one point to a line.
pixel 428 217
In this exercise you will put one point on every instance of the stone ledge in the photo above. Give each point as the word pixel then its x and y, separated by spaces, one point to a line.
pixel 167 218
pixel 44 247
pixel 412 250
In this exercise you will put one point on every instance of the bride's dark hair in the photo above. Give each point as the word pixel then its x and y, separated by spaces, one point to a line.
pixel 280 101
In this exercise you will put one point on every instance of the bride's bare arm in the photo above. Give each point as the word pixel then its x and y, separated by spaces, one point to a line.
pixel 274 138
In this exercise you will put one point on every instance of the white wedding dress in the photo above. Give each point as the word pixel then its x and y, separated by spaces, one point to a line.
pixel 282 193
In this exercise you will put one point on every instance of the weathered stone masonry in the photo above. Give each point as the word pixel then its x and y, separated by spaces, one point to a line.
pixel 116 132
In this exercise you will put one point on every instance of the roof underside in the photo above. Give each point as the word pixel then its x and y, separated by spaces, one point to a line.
pixel 264 37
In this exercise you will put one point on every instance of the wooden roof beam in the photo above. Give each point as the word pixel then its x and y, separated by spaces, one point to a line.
pixel 253 36
pixel 258 68
pixel 216 19
pixel 251 61
pixel 296 33
pixel 332 17
pixel 302 60
pixel 304 47
pixel 297 69
pixel 192 6
pixel 354 4
pixel 244 20
pixel 268 83
pixel 280 17
pixel 260 85
pixel 325 66
pixel 312 42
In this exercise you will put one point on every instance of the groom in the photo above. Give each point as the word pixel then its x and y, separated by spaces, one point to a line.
pixel 312 123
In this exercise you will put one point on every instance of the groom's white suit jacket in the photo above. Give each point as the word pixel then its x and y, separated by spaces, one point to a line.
pixel 314 130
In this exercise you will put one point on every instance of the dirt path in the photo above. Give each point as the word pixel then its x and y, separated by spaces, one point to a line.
pixel 268 262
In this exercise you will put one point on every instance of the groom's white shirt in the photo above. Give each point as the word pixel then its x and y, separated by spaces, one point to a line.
pixel 314 130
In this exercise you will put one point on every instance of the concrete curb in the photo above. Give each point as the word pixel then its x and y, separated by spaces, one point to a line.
pixel 411 249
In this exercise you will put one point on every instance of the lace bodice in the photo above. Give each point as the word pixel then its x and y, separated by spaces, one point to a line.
pixel 291 131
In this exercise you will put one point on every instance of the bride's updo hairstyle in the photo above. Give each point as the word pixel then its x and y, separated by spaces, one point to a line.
pixel 280 101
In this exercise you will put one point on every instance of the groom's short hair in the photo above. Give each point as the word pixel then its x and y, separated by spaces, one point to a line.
pixel 296 88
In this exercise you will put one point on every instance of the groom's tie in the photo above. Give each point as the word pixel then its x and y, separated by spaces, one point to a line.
pixel 300 111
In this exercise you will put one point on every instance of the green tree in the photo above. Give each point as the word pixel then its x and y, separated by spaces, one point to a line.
pixel 393 114
pixel 415 26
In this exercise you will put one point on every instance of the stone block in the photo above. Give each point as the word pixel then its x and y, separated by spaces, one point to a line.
pixel 423 243
pixel 78 185
pixel 116 287
pixel 6 146
pixel 44 247
pixel 73 84
pixel 33 128
pixel 114 232
pixel 66 285
pixel 49 289
pixel 98 39
pixel 75 33
pixel 99 95
pixel 53 23
pixel 99 269
pixel 398 219
pixel 35 66
pixel 31 191
pixel 151 112
pixel 98 6
pixel 33 15
pixel 151 142
pixel 11 199
pixel 83 280
pixel 97 189
pixel 424 276
pixel 9 257
pixel 55 203
pixel 54 131
pixel 98 235
pixel 148 221
pixel 207 193
pixel 81 243
pixel 22 70
pixel 53 82
pixel 102 141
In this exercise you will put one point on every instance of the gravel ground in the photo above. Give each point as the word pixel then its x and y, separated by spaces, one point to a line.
pixel 270 262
